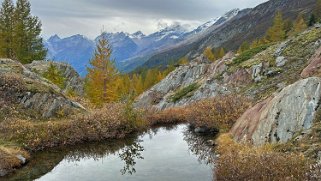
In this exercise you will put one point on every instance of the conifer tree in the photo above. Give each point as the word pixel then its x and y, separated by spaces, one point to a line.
pixel 312 20
pixel 277 31
pixel 208 53
pixel 6 29
pixel 28 45
pixel 244 46
pixel 221 53
pixel 100 80
pixel 317 10
pixel 299 24
pixel 55 76
pixel 138 83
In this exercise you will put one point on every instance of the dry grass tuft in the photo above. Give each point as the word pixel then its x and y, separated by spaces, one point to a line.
pixel 246 162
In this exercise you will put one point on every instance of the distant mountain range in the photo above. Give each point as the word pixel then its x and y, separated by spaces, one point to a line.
pixel 248 25
pixel 129 50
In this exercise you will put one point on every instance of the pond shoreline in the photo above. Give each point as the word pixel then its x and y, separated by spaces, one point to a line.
pixel 110 141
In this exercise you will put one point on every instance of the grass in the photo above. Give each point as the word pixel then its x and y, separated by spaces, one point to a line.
pixel 220 112
pixel 246 162
pixel 112 121
pixel 246 55
pixel 185 92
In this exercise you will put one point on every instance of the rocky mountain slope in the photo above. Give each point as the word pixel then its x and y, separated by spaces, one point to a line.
pixel 27 94
pixel 279 78
pixel 247 25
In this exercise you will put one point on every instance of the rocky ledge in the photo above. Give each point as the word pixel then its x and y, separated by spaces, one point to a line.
pixel 23 91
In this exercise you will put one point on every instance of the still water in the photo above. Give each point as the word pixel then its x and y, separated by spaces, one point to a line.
pixel 162 154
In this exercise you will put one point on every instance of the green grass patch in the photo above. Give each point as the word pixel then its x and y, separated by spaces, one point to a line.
pixel 185 92
pixel 249 54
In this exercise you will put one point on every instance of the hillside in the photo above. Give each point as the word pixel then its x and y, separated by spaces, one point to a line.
pixel 248 25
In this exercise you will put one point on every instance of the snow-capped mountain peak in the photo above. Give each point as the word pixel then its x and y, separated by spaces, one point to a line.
pixel 137 35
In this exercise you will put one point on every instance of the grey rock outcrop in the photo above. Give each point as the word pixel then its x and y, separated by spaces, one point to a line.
pixel 203 74
pixel 280 61
pixel 29 92
pixel 279 118
pixel 73 81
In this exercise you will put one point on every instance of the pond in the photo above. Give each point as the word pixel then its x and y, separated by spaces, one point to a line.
pixel 172 154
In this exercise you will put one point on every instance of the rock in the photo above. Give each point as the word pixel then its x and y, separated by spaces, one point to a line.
pixel 159 96
pixel 280 117
pixel 20 87
pixel 280 61
pixel 238 78
pixel 22 159
pixel 314 67
pixel 3 172
pixel 256 72
pixel 73 81
pixel 280 49
pixel 273 71
pixel 201 130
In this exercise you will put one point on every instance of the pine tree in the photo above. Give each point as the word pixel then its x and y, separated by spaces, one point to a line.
pixel 312 20
pixel 28 45
pixel 208 53
pixel 245 46
pixel 55 76
pixel 6 29
pixel 100 80
pixel 277 31
pixel 317 10
pixel 299 24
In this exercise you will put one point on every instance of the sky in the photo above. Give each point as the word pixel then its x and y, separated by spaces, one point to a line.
pixel 91 17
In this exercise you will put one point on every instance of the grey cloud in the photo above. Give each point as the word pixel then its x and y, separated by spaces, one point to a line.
pixel 68 17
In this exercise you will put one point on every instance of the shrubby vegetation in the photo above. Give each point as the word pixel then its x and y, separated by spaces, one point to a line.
pixel 246 162
pixel 248 54
pixel 220 112
pixel 184 92
pixel 111 121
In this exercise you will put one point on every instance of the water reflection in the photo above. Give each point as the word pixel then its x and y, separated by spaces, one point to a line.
pixel 129 154
pixel 199 146
pixel 159 154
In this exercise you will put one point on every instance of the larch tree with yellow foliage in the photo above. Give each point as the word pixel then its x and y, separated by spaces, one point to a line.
pixel 277 31
pixel 221 53
pixel 100 80
pixel 299 24
pixel 208 53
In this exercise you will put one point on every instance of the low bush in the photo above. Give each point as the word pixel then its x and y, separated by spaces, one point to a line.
pixel 184 92
pixel 248 54
pixel 168 116
pixel 9 159
pixel 245 162
pixel 219 112
pixel 112 121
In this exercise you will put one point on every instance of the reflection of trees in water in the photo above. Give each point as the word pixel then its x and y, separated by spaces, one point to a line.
pixel 128 150
pixel 199 146
pixel 44 162
pixel 129 154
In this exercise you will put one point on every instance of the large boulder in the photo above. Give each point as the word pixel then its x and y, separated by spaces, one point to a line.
pixel 73 82
pixel 27 92
pixel 279 118
pixel 314 67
